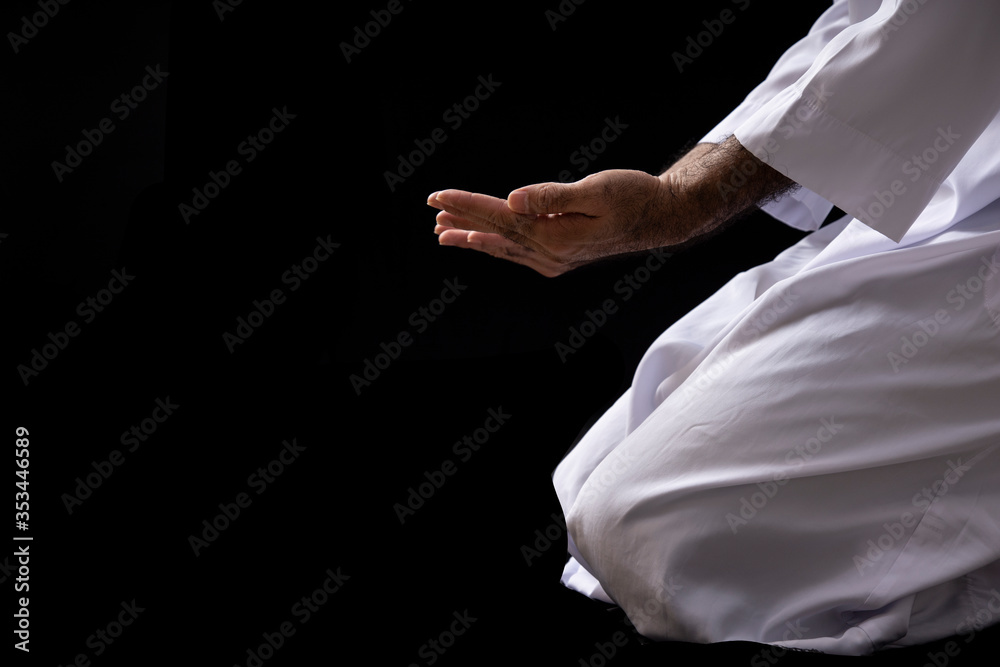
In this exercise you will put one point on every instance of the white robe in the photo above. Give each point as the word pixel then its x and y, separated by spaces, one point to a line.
pixel 808 457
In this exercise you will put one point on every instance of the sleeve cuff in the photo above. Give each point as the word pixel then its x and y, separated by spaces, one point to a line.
pixel 802 209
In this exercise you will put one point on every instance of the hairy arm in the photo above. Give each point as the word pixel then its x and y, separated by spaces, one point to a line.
pixel 713 184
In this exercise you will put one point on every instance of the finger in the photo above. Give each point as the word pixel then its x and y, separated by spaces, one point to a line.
pixel 450 220
pixel 583 196
pixel 458 238
pixel 482 213
pixel 497 246
pixel 475 206
pixel 432 200
pixel 554 233
pixel 478 241
pixel 445 221
pixel 444 226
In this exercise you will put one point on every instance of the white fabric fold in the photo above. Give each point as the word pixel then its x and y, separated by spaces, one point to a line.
pixel 808 458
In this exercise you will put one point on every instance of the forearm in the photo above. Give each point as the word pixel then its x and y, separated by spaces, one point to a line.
pixel 714 183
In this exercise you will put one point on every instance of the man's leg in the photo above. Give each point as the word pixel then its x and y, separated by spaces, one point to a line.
pixel 815 466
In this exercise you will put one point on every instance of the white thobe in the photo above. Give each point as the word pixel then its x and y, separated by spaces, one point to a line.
pixel 808 457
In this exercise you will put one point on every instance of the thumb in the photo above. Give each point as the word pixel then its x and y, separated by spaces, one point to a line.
pixel 552 198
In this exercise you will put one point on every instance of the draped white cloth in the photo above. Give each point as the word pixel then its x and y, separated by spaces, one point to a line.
pixel 808 457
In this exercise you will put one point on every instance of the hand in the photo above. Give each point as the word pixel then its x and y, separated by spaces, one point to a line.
pixel 555 227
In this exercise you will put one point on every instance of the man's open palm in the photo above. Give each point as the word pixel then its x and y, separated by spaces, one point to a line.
pixel 553 227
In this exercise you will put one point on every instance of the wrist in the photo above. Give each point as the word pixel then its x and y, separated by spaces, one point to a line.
pixel 682 193
pixel 716 183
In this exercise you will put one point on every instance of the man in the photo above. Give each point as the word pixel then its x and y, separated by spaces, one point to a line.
pixel 807 458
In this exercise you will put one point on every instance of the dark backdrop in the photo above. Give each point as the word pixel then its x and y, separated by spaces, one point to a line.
pixel 116 515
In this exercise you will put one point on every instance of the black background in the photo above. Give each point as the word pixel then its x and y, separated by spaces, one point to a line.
pixel 324 176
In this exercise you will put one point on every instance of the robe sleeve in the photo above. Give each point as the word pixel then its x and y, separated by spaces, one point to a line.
pixel 885 110
pixel 802 208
